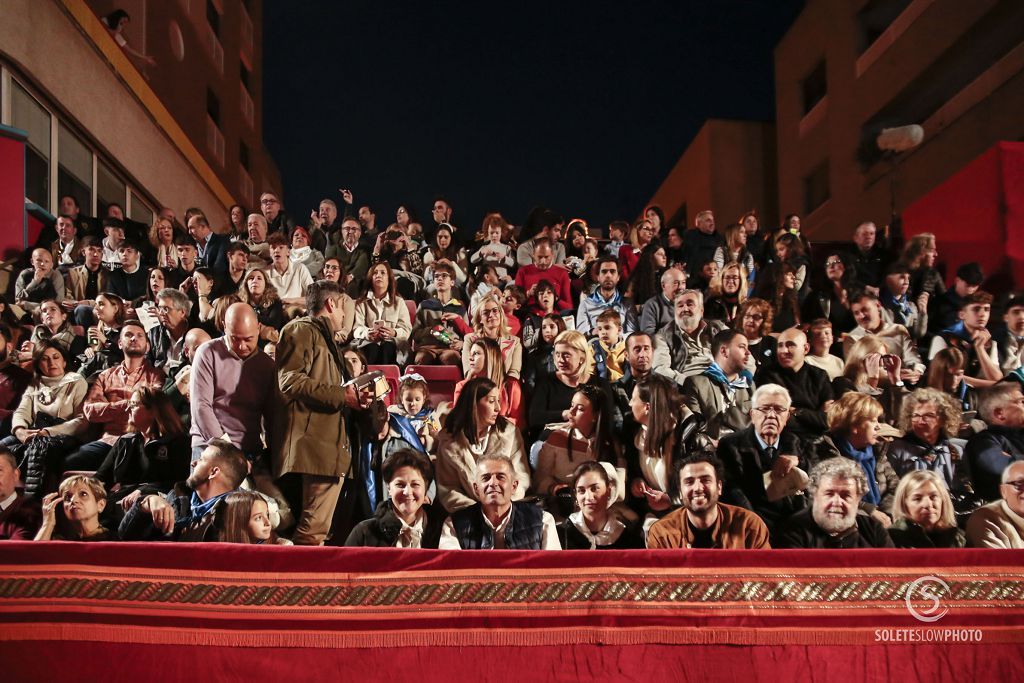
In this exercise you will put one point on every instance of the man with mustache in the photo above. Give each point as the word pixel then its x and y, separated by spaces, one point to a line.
pixel 836 487
pixel 684 349
pixel 703 522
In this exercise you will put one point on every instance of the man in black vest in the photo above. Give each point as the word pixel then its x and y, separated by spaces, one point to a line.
pixel 496 523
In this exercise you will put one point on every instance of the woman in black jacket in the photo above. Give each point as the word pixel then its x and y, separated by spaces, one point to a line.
pixel 599 522
pixel 404 520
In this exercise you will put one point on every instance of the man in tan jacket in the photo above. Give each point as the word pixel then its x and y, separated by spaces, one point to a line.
pixel 311 437
pixel 703 522
pixel 1001 524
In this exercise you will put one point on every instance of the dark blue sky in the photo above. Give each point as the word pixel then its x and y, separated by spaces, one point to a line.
pixel 583 107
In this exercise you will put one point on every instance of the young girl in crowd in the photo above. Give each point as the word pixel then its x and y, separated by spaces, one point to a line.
pixel 413 417
pixel 600 521
pixel 244 517
pixel 540 362
pixel 495 253
pixel 485 361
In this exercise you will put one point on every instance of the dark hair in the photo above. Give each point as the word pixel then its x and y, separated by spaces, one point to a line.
pixel 279 239
pixel 979 297
pixel 318 293
pixel 232 518
pixel 91 241
pixel 785 298
pixel 859 297
pixel 723 338
pixel 72 198
pixel 183 239
pixel 545 285
pixel 238 246
pixel 586 468
pixel 37 354
pixel 604 444
pixel 695 458
pixel 757 303
pixel 645 280
pixel 661 393
pixel 231 460
pixel 113 19
pixel 407 457
pixel 557 319
pixel 165 417
pixel 392 284
pixel 657 212
pixel 462 418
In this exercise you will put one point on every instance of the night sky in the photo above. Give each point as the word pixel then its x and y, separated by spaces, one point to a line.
pixel 582 107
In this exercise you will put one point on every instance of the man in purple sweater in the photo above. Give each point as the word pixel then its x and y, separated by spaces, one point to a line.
pixel 232 386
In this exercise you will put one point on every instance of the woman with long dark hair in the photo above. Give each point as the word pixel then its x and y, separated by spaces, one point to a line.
pixel 474 428
pixel 831 296
pixel 645 281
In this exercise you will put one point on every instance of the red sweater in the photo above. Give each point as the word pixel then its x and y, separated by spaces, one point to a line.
pixel 530 275
pixel 21 520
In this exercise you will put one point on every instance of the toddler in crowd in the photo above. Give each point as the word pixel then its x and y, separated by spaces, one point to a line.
pixel 609 346
pixel 514 298
pixel 412 418
pixel 617 237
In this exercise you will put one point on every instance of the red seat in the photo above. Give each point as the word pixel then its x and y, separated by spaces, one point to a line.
pixel 441 380
pixel 391 374
pixel 411 305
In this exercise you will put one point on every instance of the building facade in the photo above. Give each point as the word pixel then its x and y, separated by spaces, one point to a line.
pixel 108 127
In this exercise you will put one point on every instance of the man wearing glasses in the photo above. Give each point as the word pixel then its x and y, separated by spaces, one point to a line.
pixel 764 465
pixel 990 452
pixel 1001 524
pixel 273 211
pixel 347 247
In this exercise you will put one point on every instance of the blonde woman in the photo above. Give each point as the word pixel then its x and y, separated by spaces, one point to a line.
pixel 923 513
pixel 574 366
pixel 871 370
pixel 489 321
pixel 161 236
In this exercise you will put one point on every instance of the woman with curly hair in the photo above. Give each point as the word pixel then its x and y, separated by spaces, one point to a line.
pixel 262 296
pixel 834 288
pixel 754 320
pixel 930 422
pixel 161 236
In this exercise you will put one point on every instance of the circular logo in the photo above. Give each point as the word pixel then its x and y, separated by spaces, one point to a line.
pixel 927 589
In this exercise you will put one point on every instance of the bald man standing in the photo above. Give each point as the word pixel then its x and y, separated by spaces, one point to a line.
pixel 808 386
pixel 232 386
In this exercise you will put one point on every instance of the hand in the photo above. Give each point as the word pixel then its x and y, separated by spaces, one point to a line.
pixel 882 517
pixel 23 434
pixel 347 196
pixel 531 291
pixel 181 381
pixel 161 512
pixel 872 363
pixel 910 375
pixel 38 275
pixel 456 345
pixel 658 500
pixel 449 316
pixel 50 503
pixel 922 302
pixel 129 500
pixel 366 396
pixel 981 338
pixel 186 285
pixel 783 465
pixel 565 414
pixel 314 218
pixel 871 290
pixel 894 366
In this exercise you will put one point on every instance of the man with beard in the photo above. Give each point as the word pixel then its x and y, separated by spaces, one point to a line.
pixel 722 393
pixel 496 522
pixel 684 349
pixel 605 297
pixel 639 359
pixel 346 246
pixel 107 400
pixel 836 487
pixel 187 512
pixel 703 522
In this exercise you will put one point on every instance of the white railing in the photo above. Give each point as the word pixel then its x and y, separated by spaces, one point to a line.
pixel 214 140
pixel 248 108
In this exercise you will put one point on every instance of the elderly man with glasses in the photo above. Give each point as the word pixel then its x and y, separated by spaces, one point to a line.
pixel 1001 524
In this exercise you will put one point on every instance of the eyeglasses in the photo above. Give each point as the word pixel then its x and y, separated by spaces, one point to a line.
pixel 265 202
pixel 488 312
pixel 753 316
pixel 834 262
pixel 924 416
pixel 771 410
pixel 1017 484
pixel 326 268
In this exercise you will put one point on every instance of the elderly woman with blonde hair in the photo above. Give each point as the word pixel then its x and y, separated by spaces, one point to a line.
pixel 871 370
pixel 923 513
pixel 855 433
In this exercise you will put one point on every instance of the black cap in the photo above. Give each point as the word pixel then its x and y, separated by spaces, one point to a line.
pixel 1013 300
pixel 971 273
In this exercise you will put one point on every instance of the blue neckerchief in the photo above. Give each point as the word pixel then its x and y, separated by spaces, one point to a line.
pixel 959 331
pixel 369 475
pixel 743 379
pixel 599 300
pixel 961 393
pixel 866 458
pixel 198 509
pixel 889 300
pixel 403 425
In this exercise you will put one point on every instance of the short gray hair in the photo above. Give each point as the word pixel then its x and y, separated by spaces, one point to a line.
pixel 772 390
pixel 837 468
pixel 668 273
pixel 180 301
pixel 685 292
pixel 498 457
pixel 994 397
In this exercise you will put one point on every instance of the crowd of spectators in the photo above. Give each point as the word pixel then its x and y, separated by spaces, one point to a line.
pixel 350 380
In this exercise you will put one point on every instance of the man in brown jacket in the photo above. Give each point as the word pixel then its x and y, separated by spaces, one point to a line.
pixel 703 522
pixel 311 437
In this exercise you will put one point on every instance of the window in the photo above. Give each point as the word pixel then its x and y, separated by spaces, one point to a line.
pixel 874 18
pixel 213 106
pixel 74 168
pixel 109 188
pixel 30 116
pixel 816 190
pixel 243 155
pixel 139 211
pixel 244 74
pixel 814 87
pixel 213 17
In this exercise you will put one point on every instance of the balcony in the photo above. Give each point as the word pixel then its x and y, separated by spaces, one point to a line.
pixel 213 47
pixel 248 108
pixel 245 186
pixel 248 49
pixel 214 140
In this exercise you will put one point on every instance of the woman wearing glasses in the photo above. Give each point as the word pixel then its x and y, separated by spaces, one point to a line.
pixel 930 420
pixel 831 296
pixel 489 321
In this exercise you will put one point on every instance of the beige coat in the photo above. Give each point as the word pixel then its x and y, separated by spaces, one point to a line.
pixel 393 311
pixel 309 435
pixel 456 465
